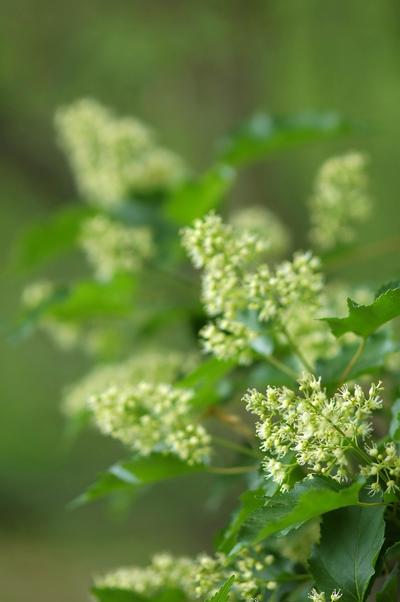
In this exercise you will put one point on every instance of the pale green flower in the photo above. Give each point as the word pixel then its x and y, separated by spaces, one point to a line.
pixel 112 247
pixel 340 200
pixel 113 158
pixel 266 225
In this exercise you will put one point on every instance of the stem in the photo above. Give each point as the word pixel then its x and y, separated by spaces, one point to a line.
pixel 353 361
pixel 231 469
pixel 235 446
pixel 281 366
pixel 373 249
pixel 297 350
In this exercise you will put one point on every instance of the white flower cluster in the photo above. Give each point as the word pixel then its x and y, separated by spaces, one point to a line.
pixel 232 286
pixel 150 365
pixel 164 572
pixel 113 158
pixel 339 201
pixel 321 597
pixel 266 225
pixel 248 566
pixel 150 418
pixel 384 468
pixel 112 247
pixel 318 430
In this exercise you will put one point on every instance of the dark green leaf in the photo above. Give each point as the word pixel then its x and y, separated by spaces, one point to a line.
pixel 199 196
pixel 264 134
pixel 351 539
pixel 250 502
pixel 371 360
pixel 222 595
pixel 307 499
pixel 111 594
pixel 204 381
pixel 50 238
pixel 390 591
pixel 136 473
pixel 366 319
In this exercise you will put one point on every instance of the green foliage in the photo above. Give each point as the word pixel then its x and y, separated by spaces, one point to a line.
pixel 366 319
pixel 351 539
pixel 136 473
pixel 222 594
pixel 390 590
pixel 110 594
pixel 305 501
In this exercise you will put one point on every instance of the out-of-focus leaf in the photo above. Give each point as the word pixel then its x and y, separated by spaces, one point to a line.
pixel 265 134
pixel 366 319
pixel 112 594
pixel 50 238
pixel 390 590
pixel 204 381
pixel 394 429
pixel 197 197
pixel 351 539
pixel 306 500
pixel 90 299
pixel 264 374
pixel 222 595
pixel 372 359
pixel 136 473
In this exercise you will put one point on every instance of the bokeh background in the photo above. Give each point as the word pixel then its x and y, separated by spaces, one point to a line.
pixel 193 70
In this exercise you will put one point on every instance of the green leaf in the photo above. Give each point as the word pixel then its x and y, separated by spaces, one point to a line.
pixel 197 197
pixel 89 299
pixel 50 238
pixel 351 539
pixel 307 499
pixel 204 381
pixel 222 595
pixel 390 591
pixel 394 428
pixel 371 360
pixel 366 319
pixel 264 134
pixel 250 502
pixel 136 473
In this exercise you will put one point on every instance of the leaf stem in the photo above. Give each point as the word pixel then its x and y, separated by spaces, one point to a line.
pixel 281 366
pixel 296 349
pixel 235 446
pixel 353 361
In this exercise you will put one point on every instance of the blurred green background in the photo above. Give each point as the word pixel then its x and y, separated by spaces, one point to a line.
pixel 193 70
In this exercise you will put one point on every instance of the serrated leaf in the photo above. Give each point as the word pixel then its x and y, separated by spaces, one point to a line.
pixel 390 590
pixel 49 238
pixel 366 319
pixel 351 539
pixel 195 198
pixel 250 502
pixel 264 134
pixel 306 500
pixel 222 595
pixel 204 381
pixel 136 473
pixel 371 360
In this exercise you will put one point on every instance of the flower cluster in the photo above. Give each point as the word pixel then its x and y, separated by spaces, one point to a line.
pixel 384 468
pixel 113 158
pixel 340 200
pixel 150 418
pixel 233 285
pixel 112 247
pixel 318 430
pixel 266 225
pixel 249 566
pixel 321 597
pixel 199 577
pixel 149 365
pixel 164 572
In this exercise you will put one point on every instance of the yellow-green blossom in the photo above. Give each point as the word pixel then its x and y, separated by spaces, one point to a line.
pixel 340 200
pixel 266 225
pixel 112 247
pixel 321 597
